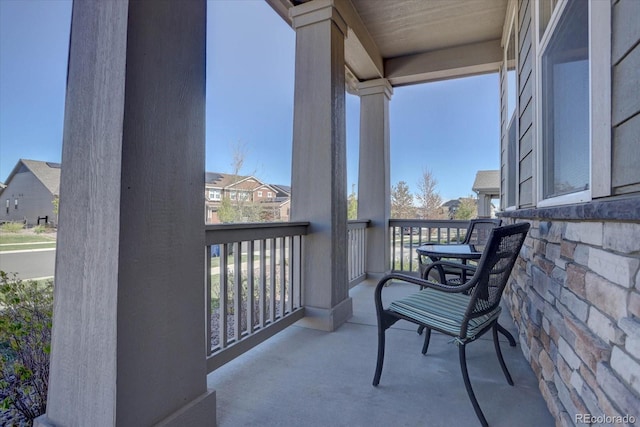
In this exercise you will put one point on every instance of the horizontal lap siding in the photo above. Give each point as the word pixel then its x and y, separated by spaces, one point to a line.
pixel 525 84
pixel 625 102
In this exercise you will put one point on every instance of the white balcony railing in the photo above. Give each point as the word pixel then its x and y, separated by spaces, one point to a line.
pixel 253 285
pixel 407 234
pixel 254 275
pixel 357 243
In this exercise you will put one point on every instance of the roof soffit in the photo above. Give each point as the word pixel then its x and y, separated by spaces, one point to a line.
pixel 382 30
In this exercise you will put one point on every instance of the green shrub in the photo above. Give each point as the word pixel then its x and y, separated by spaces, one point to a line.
pixel 26 310
pixel 12 227
pixel 38 229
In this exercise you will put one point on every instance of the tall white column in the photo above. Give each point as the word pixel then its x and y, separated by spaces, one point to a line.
pixel 374 172
pixel 319 189
pixel 484 205
pixel 128 344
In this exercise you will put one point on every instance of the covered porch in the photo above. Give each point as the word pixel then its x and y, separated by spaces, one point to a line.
pixel 303 376
pixel 134 341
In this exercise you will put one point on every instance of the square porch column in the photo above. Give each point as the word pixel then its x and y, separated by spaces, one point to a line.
pixel 319 189
pixel 128 345
pixel 374 185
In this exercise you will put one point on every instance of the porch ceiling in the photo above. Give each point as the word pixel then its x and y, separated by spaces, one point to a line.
pixel 411 41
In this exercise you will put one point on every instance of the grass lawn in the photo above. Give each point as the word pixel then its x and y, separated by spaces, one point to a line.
pixel 6 238
pixel 23 247
pixel 23 241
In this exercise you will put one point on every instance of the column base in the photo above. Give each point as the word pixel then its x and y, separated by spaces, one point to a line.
pixel 327 319
pixel 199 412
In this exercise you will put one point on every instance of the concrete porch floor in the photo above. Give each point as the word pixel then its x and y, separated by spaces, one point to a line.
pixel 305 377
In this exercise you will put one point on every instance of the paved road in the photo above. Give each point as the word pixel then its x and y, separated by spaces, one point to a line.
pixel 29 264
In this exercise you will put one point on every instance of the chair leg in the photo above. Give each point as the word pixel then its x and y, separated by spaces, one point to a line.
pixel 467 384
pixel 427 337
pixel 496 344
pixel 507 334
pixel 376 377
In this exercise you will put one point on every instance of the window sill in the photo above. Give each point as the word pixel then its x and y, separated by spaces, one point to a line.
pixel 622 209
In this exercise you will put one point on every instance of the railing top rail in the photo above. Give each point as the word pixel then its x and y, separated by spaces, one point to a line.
pixel 358 223
pixel 429 222
pixel 229 233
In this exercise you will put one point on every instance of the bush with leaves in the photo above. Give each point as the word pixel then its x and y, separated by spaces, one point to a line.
pixel 26 309
pixel 11 227
pixel 39 229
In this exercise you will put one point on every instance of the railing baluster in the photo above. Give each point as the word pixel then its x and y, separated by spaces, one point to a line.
pixel 283 271
pixel 207 298
pixel 263 282
pixel 237 279
pixel 272 280
pixel 290 272
pixel 223 299
pixel 297 267
pixel 250 287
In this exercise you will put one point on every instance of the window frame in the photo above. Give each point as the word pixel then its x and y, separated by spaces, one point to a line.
pixel 511 27
pixel 599 127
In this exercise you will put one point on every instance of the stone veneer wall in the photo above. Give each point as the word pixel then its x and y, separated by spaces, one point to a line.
pixel 575 297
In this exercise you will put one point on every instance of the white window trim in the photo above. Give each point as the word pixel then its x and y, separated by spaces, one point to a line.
pixel 599 113
pixel 512 25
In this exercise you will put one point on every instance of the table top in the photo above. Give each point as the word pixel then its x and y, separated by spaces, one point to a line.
pixel 454 250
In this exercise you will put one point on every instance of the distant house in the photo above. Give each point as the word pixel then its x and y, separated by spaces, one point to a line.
pixel 274 199
pixel 487 187
pixel 278 209
pixel 30 190
pixel 451 207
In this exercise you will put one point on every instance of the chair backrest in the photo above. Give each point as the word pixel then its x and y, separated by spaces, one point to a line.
pixel 494 268
pixel 479 230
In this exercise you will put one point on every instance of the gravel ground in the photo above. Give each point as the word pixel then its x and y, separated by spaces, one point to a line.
pixel 215 320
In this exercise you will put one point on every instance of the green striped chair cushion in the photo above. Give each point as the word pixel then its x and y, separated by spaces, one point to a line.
pixel 442 311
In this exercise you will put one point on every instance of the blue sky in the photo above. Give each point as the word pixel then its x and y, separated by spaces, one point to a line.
pixel 450 127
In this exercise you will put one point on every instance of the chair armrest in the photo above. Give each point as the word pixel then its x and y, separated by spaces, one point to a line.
pixel 450 264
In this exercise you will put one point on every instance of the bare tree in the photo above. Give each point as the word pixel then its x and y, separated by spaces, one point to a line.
pixel 428 198
pixel 240 207
pixel 401 201
pixel 352 204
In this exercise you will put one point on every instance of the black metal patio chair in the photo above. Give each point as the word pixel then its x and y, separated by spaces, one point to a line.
pixel 477 234
pixel 465 311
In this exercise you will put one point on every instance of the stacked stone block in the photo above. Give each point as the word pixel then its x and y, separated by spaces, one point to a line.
pixel 575 298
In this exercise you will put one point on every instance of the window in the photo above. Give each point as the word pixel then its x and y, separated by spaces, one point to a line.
pixel 269 195
pixel 16 204
pixel 232 195
pixel 565 102
pixel 545 8
pixel 260 193
pixel 7 205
